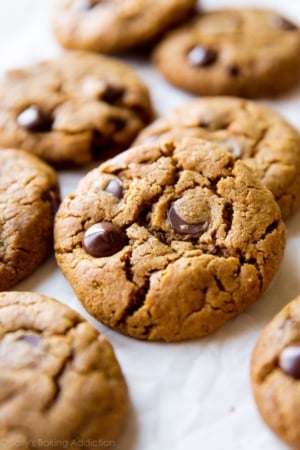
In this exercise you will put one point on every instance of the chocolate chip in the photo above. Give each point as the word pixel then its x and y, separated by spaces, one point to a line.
pixel 201 56
pixel 118 123
pixel 283 24
pixel 83 5
pixel 34 119
pixel 181 226
pixel 233 146
pixel 31 339
pixel 112 94
pixel 234 71
pixel 103 239
pixel 100 144
pixel 289 360
pixel 115 188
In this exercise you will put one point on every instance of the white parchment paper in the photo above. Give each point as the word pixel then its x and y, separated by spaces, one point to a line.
pixel 187 396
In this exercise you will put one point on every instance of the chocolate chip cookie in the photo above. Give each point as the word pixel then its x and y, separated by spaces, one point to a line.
pixel 275 373
pixel 250 131
pixel 247 52
pixel 29 197
pixel 168 241
pixel 72 110
pixel 60 383
pixel 116 25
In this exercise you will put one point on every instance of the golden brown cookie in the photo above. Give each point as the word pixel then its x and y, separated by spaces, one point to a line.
pixel 29 197
pixel 263 139
pixel 244 52
pixel 169 241
pixel 74 109
pixel 60 383
pixel 275 374
pixel 116 25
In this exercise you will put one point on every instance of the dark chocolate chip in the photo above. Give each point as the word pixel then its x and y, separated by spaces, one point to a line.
pixel 31 339
pixel 233 146
pixel 34 119
pixel 181 226
pixel 283 24
pixel 115 188
pixel 201 56
pixel 118 123
pixel 103 239
pixel 112 94
pixel 289 360
pixel 100 144
pixel 234 71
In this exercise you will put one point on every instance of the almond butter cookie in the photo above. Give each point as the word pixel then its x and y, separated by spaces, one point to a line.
pixel 244 52
pixel 168 241
pixel 60 383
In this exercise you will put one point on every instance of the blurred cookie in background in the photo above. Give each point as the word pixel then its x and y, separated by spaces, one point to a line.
pixel 74 109
pixel 243 52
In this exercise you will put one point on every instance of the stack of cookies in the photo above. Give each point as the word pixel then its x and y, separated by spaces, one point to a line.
pixel 179 229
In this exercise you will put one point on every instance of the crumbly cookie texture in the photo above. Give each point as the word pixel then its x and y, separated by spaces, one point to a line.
pixel 72 110
pixel 275 374
pixel 263 139
pixel 59 378
pixel 116 25
pixel 243 52
pixel 29 198
pixel 169 241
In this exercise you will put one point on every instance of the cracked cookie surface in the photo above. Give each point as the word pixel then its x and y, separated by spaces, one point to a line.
pixel 247 52
pixel 59 378
pixel 74 109
pixel 116 25
pixel 263 139
pixel 169 241
pixel 29 198
pixel 275 373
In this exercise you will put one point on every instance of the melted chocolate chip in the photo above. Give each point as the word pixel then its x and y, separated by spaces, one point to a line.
pixel 115 188
pixel 233 146
pixel 118 123
pixel 289 360
pixel 100 144
pixel 31 339
pixel 201 56
pixel 112 94
pixel 181 226
pixel 103 239
pixel 283 24
pixel 234 71
pixel 34 119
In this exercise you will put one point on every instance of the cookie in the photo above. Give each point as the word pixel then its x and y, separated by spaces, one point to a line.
pixel 275 373
pixel 116 25
pixel 243 52
pixel 60 383
pixel 169 241
pixel 263 139
pixel 29 197
pixel 72 110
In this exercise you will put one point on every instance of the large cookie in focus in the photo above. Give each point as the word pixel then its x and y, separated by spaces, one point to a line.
pixel 243 52
pixel 116 25
pixel 275 374
pixel 60 383
pixel 74 109
pixel 29 198
pixel 260 137
pixel 169 241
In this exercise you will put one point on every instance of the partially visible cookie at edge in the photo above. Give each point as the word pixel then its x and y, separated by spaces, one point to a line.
pixel 116 25
pixel 74 109
pixel 169 241
pixel 60 383
pixel 244 52
pixel 252 132
pixel 29 198
pixel 275 374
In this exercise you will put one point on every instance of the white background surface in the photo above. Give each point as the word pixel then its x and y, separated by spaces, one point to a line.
pixel 186 396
